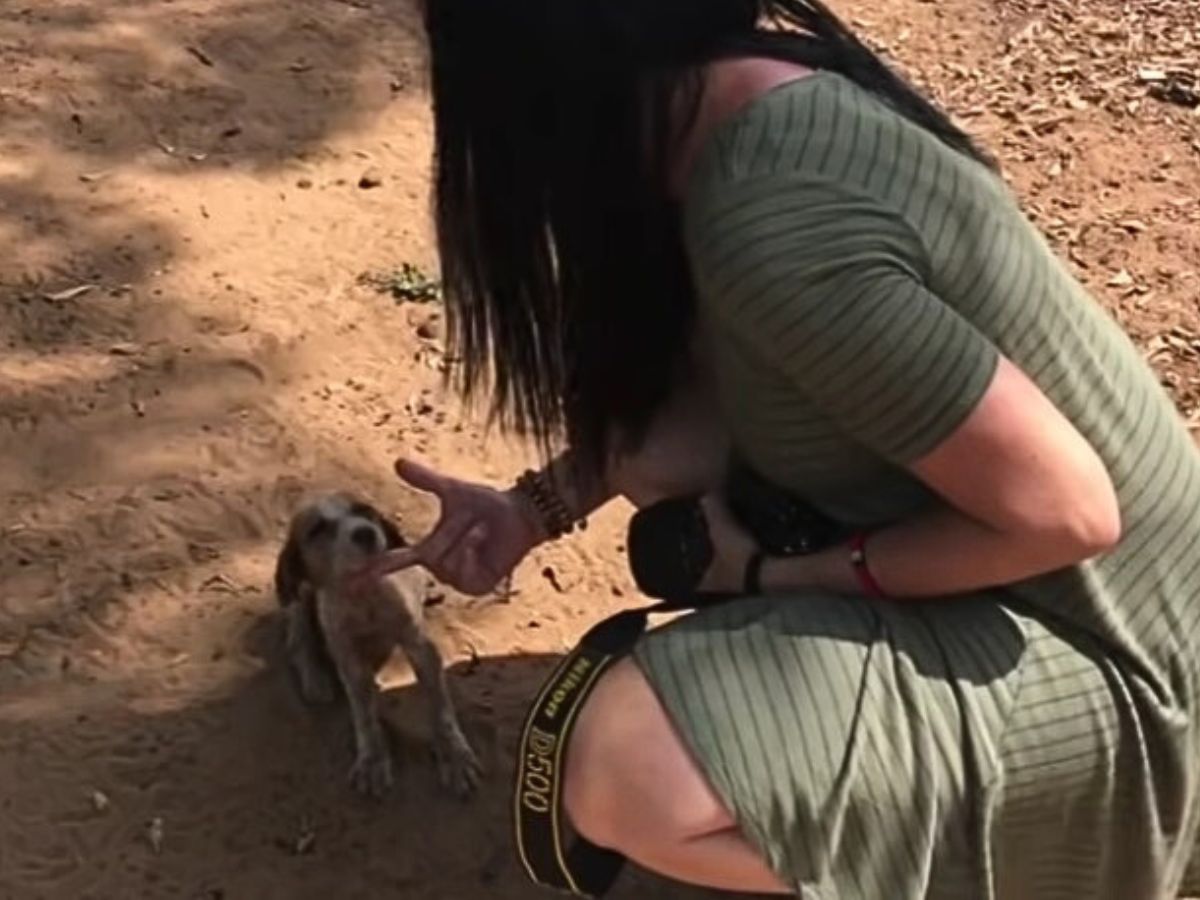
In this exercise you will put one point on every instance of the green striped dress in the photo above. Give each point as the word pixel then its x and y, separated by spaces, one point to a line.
pixel 858 282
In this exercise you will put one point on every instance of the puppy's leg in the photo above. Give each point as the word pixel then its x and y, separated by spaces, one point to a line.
pixel 458 767
pixel 372 770
pixel 304 652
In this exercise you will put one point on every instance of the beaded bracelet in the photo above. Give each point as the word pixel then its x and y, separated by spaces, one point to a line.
pixel 556 518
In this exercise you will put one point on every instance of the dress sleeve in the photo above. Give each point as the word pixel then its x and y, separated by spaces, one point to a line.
pixel 829 289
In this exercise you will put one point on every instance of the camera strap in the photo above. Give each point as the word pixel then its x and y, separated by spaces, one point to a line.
pixel 580 868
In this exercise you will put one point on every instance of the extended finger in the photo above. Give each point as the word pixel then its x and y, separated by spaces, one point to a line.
pixel 448 535
pixel 478 577
pixel 388 564
pixel 423 478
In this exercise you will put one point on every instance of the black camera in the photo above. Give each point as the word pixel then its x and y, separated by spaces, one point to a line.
pixel 670 548
pixel 781 524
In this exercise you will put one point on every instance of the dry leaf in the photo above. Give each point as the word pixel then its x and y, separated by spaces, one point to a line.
pixel 1133 226
pixel 69 293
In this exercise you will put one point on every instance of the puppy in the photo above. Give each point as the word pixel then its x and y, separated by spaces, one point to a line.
pixel 334 638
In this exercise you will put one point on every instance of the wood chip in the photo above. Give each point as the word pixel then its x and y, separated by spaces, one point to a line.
pixel 155 834
pixel 69 294
pixel 219 582
pixel 305 843
pixel 200 55
pixel 11 646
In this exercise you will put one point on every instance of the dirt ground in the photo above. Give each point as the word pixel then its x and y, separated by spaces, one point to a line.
pixel 190 191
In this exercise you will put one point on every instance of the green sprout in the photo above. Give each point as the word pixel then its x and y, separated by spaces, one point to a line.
pixel 407 283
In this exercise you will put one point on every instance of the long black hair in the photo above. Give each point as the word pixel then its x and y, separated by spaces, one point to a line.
pixel 566 282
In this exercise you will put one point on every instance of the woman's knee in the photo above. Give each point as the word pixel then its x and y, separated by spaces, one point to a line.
pixel 628 776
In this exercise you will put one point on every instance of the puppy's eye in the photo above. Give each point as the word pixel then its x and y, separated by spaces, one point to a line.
pixel 320 528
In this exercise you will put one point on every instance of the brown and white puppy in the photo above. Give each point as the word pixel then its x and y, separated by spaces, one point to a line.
pixel 336 637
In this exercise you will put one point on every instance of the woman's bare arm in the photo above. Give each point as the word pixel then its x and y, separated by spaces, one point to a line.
pixel 1025 494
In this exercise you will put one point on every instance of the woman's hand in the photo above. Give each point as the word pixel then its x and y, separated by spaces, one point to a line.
pixel 733 548
pixel 480 537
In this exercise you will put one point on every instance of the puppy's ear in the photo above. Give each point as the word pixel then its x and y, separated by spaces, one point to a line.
pixel 291 575
pixel 395 540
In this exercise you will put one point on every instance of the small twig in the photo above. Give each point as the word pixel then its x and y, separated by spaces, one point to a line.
pixel 199 54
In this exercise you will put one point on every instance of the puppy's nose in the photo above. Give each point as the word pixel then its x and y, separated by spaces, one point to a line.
pixel 364 536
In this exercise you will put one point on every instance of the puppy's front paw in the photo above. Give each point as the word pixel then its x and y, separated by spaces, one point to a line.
pixel 371 773
pixel 458 767
pixel 316 687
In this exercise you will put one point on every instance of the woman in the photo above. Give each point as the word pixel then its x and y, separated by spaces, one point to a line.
pixel 645 207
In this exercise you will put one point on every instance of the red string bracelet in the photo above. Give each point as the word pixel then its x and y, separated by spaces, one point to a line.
pixel 858 559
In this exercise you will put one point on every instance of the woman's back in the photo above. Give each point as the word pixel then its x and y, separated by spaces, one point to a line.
pixel 858 283
pixel 840 250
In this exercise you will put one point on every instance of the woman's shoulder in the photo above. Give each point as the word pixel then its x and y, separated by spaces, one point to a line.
pixel 821 132
pixel 831 158
pixel 793 128
pixel 799 160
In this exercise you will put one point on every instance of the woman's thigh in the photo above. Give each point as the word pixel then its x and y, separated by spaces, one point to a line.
pixel 629 776
pixel 826 729
pixel 737 719
pixel 632 785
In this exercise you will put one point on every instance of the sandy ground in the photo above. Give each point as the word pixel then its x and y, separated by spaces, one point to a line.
pixel 186 347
